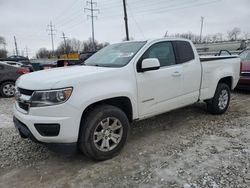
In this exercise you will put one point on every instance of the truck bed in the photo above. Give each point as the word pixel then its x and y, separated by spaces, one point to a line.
pixel 213 69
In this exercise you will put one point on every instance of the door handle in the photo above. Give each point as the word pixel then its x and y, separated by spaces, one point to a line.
pixel 176 73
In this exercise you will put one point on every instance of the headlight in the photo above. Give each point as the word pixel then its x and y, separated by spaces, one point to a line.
pixel 50 97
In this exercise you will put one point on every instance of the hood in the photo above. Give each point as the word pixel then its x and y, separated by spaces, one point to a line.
pixel 46 79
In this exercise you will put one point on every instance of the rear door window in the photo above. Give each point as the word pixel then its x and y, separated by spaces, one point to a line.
pixel 184 51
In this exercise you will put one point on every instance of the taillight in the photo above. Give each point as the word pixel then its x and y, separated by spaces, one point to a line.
pixel 240 68
pixel 22 71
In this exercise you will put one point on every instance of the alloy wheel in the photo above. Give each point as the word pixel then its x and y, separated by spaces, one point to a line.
pixel 108 134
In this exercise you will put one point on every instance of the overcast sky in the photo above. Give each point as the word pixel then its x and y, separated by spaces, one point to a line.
pixel 28 19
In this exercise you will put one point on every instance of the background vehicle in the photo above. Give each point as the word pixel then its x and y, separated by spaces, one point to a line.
pixel 15 58
pixel 244 82
pixel 68 62
pixel 13 63
pixel 8 77
pixel 86 55
pixel 90 107
pixel 19 60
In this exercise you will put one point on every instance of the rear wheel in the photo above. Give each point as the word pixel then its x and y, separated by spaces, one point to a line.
pixel 7 89
pixel 103 132
pixel 220 102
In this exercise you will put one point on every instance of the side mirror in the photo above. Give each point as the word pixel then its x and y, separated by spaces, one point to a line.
pixel 149 65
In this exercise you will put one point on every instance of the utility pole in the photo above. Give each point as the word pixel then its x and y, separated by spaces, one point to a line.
pixel 202 20
pixel 166 34
pixel 26 50
pixel 51 30
pixel 126 19
pixel 65 43
pixel 92 16
pixel 16 45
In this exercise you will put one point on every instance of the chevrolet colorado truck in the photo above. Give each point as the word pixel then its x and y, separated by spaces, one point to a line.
pixel 90 107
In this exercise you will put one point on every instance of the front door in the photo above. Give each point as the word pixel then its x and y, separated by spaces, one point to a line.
pixel 159 90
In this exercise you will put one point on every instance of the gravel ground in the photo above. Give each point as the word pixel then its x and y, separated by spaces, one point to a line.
pixel 185 148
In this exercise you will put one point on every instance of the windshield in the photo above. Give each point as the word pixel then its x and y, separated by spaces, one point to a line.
pixel 245 55
pixel 115 55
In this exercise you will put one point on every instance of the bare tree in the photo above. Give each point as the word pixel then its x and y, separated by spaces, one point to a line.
pixel 3 53
pixel 44 53
pixel 2 41
pixel 234 33
pixel 88 45
pixel 77 46
pixel 217 37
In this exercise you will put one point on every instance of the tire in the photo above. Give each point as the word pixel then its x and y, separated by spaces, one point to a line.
pixel 7 89
pixel 96 139
pixel 220 102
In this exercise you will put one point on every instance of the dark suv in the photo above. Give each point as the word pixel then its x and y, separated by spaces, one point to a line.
pixel 8 77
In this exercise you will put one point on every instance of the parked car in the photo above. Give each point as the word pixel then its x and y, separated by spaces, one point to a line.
pixel 66 62
pixel 8 76
pixel 15 58
pixel 27 64
pixel 90 107
pixel 48 65
pixel 13 63
pixel 19 59
pixel 244 82
pixel 86 55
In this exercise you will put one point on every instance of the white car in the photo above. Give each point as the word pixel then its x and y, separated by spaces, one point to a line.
pixel 13 63
pixel 91 106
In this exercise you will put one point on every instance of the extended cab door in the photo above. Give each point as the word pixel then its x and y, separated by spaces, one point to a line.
pixel 158 90
pixel 191 71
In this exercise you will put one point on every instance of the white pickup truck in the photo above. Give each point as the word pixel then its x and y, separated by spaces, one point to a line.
pixel 90 107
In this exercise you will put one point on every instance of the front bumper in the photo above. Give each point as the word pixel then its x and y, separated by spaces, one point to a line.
pixel 64 115
pixel 65 148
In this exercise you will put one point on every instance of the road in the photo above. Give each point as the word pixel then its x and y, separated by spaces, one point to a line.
pixel 184 148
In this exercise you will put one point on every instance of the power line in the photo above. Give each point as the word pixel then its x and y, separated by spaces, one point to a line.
pixel 51 29
pixel 169 7
pixel 92 16
pixel 65 11
pixel 136 23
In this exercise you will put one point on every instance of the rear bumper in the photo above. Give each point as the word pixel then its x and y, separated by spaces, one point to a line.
pixel 244 82
pixel 64 148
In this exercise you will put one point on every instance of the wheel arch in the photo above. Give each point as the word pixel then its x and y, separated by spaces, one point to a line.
pixel 8 80
pixel 228 80
pixel 122 102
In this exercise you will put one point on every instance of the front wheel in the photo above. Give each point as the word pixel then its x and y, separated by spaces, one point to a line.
pixel 220 102
pixel 7 89
pixel 103 132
